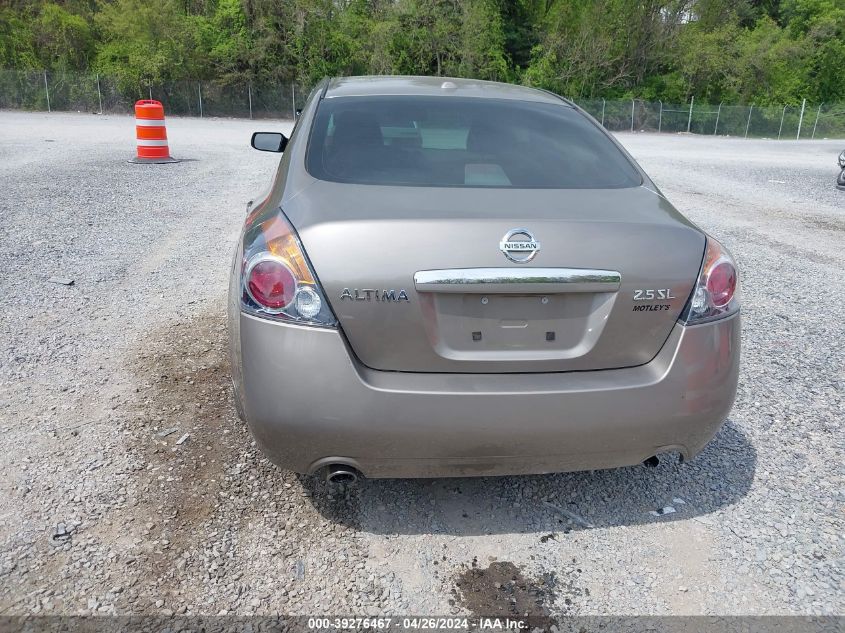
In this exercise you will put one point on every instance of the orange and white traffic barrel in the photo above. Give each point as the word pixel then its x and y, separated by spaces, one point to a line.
pixel 151 133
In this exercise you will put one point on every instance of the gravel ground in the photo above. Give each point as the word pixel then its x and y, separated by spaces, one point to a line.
pixel 129 486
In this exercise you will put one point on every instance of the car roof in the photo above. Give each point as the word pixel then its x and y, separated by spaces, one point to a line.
pixel 382 85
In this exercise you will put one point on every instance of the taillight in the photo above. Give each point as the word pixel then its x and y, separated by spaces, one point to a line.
pixel 277 280
pixel 269 282
pixel 715 293
pixel 721 284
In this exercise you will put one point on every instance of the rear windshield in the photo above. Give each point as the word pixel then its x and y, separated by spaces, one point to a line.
pixel 462 142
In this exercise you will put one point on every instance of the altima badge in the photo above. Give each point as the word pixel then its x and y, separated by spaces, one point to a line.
pixel 519 251
pixel 372 294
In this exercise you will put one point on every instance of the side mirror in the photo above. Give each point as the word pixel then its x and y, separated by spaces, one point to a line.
pixel 269 141
pixel 296 113
pixel 842 160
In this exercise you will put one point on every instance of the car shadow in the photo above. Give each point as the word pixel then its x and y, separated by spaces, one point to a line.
pixel 718 477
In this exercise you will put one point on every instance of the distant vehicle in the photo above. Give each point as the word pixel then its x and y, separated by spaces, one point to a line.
pixel 840 181
pixel 453 277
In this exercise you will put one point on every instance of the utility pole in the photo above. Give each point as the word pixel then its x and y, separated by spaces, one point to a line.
pixel 99 94
pixel 632 114
pixel 47 90
pixel 818 112
pixel 801 119
pixel 718 113
pixel 689 120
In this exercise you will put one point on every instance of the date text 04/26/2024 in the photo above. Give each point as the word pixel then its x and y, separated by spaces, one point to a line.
pixel 419 623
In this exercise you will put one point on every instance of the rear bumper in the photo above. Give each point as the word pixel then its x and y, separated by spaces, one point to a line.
pixel 309 402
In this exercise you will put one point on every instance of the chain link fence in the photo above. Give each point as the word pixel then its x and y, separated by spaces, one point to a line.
pixel 780 122
pixel 75 92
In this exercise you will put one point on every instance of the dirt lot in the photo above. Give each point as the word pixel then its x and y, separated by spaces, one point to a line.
pixel 129 485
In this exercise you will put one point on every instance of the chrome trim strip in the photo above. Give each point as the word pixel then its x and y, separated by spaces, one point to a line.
pixel 517 281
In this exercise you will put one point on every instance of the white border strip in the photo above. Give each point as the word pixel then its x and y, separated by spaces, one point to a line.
pixel 146 142
pixel 149 122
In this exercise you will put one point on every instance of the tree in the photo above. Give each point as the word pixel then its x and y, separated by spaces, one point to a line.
pixel 146 43
pixel 17 41
pixel 482 42
pixel 761 51
pixel 63 40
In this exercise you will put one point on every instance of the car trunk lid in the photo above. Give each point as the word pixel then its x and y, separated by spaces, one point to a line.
pixel 430 279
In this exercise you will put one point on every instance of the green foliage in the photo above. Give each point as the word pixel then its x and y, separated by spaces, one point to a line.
pixel 705 63
pixel 773 61
pixel 755 51
pixel 482 42
pixel 17 40
pixel 224 37
pixel 145 43
pixel 63 40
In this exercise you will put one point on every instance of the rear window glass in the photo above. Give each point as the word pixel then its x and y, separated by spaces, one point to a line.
pixel 462 142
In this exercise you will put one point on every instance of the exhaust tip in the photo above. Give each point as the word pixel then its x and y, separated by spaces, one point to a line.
pixel 652 461
pixel 341 474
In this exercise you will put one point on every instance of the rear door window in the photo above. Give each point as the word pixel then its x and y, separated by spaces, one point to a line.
pixel 462 142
